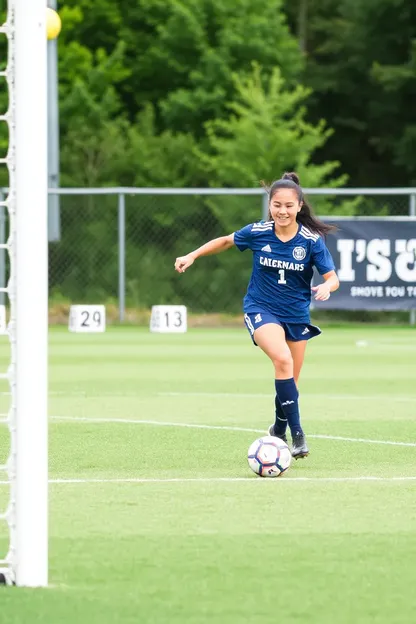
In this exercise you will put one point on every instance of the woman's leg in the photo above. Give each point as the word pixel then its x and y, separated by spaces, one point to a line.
pixel 271 339
pixel 297 349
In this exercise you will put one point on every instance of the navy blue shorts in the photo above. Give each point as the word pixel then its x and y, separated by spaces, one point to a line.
pixel 294 332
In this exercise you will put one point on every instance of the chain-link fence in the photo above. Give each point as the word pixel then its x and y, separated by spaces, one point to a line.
pixel 118 246
pixel 121 249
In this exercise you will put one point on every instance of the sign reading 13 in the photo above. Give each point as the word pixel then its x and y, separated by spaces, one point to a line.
pixel 168 319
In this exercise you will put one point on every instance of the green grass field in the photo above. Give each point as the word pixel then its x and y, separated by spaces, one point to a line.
pixel 155 517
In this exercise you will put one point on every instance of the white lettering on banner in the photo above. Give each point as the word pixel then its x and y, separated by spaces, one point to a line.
pixel 345 247
pixel 377 253
pixel 406 251
pixel 383 291
pixel 379 268
pixel 360 247
pixel 395 291
pixel 367 291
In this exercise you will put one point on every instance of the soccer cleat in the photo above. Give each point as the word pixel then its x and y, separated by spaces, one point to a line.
pixel 299 446
pixel 271 432
pixel 6 577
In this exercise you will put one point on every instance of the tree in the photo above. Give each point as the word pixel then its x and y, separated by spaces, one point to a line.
pixel 180 55
pixel 265 134
pixel 398 84
pixel 360 66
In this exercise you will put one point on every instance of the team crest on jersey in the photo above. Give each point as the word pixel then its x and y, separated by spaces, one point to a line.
pixel 299 253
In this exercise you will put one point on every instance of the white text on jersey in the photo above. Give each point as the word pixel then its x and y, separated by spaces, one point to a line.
pixel 281 264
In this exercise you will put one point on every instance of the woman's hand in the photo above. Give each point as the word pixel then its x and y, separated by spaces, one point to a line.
pixel 322 292
pixel 214 246
pixel 182 263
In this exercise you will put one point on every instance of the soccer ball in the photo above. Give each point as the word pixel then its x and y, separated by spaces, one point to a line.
pixel 269 456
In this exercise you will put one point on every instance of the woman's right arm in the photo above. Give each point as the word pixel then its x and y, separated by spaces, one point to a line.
pixel 214 246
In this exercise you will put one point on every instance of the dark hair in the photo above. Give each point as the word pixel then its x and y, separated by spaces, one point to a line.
pixel 306 216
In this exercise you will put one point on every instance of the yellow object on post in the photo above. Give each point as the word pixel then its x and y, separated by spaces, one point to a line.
pixel 53 24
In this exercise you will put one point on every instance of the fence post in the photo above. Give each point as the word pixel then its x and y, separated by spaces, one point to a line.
pixel 2 251
pixel 265 206
pixel 121 257
pixel 412 213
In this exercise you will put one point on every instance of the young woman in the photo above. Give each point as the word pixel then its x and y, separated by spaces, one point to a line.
pixel 285 249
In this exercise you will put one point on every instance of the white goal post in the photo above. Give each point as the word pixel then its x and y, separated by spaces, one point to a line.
pixel 27 290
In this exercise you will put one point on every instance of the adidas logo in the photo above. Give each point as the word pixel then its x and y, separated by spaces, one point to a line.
pixel 305 331
pixel 267 248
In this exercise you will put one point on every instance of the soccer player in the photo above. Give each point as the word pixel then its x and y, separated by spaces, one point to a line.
pixel 285 249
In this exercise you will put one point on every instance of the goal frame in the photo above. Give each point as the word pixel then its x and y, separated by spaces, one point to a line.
pixel 27 291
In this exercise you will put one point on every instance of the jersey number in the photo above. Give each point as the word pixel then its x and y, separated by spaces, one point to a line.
pixel 281 279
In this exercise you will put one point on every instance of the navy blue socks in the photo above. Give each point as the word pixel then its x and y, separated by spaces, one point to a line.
pixel 280 424
pixel 287 397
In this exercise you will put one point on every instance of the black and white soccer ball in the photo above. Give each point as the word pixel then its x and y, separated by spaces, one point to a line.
pixel 269 457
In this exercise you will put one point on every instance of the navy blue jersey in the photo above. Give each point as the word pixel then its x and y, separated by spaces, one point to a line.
pixel 280 282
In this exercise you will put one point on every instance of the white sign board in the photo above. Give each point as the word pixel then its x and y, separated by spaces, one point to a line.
pixel 89 319
pixel 168 319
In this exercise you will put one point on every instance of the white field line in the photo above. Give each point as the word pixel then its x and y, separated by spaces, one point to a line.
pixel 159 423
pixel 231 480
pixel 259 395
pixel 306 395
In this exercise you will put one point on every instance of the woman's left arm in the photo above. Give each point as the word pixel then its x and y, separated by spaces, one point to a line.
pixel 331 283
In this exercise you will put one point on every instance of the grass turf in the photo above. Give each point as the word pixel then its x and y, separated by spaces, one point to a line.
pixel 224 551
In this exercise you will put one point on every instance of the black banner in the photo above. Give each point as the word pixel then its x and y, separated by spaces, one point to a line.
pixel 376 264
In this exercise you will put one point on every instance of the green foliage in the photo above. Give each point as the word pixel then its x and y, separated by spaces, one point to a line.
pixel 92 125
pixel 180 54
pixel 148 84
pixel 361 67
pixel 266 134
pixel 224 38
pixel 398 82
pixel 164 159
